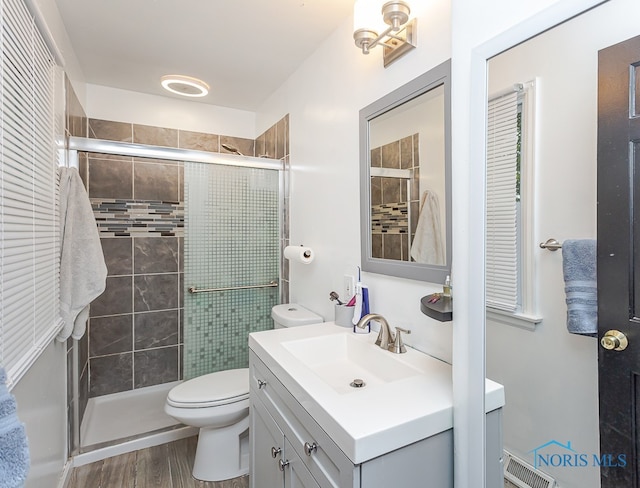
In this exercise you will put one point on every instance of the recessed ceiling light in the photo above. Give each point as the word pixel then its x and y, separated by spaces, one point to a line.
pixel 184 85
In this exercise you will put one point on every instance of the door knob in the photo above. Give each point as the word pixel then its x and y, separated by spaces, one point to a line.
pixel 614 340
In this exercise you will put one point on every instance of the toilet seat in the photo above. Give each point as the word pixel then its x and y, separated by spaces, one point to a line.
pixel 211 390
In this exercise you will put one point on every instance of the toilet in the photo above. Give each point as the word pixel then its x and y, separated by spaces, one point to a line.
pixel 218 404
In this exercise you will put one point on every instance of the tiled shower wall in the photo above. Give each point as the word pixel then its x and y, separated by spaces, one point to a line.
pixel 392 202
pixel 274 143
pixel 135 329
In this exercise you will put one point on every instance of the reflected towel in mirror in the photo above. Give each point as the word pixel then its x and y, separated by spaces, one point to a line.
pixel 427 244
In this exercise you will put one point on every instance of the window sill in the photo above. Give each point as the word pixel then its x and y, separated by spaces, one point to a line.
pixel 523 321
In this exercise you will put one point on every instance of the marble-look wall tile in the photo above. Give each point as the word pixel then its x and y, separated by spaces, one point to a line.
pixel 83 392
pixel 110 178
pixel 259 145
pixel 110 130
pixel 198 141
pixel 376 190
pixel 83 169
pixel 110 335
pixel 155 329
pixel 376 246
pixel 118 255
pixel 406 152
pixel 156 366
pixel 393 247
pixel 391 155
pixel 392 190
pixel 270 143
pixel 155 255
pixel 116 298
pixel 245 146
pixel 154 181
pixel 76 118
pixel 376 157
pixel 155 136
pixel 111 374
pixel 155 292
pixel 83 353
pixel 281 138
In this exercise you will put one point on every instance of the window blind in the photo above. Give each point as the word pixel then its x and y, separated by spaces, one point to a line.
pixel 501 235
pixel 29 235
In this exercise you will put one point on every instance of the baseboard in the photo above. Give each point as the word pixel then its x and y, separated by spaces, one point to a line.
pixel 133 445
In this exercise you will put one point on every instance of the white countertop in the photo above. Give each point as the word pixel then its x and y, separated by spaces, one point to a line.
pixel 368 422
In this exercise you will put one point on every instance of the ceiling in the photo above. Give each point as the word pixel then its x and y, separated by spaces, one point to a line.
pixel 244 49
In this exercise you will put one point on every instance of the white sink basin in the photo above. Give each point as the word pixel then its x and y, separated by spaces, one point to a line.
pixel 341 358
pixel 407 397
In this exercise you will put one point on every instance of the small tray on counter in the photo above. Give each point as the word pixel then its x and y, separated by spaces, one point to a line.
pixel 441 310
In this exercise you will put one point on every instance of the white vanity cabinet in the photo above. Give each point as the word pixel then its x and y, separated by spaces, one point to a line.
pixel 289 448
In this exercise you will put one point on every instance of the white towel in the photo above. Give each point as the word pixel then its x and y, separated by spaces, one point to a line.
pixel 83 272
pixel 427 244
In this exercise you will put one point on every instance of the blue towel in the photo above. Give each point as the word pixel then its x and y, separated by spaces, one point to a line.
pixel 580 285
pixel 14 451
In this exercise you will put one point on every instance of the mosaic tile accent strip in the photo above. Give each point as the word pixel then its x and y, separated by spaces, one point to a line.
pixel 232 239
pixel 390 218
pixel 138 218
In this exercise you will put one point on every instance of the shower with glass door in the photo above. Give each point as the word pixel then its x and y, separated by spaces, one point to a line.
pixel 224 280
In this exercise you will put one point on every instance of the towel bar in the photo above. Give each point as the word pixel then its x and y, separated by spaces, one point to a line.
pixel 193 289
pixel 551 245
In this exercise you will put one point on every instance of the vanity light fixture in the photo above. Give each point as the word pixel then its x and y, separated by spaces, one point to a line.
pixel 184 85
pixel 393 31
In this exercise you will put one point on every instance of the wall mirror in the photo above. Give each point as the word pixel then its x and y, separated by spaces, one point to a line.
pixel 405 180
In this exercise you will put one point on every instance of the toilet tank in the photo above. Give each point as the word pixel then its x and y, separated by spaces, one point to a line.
pixel 293 315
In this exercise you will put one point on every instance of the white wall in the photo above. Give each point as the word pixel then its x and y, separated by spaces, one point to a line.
pixel 323 99
pixel 139 108
pixel 41 397
pixel 480 30
pixel 551 376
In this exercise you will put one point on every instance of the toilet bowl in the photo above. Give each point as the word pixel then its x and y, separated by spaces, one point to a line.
pixel 218 404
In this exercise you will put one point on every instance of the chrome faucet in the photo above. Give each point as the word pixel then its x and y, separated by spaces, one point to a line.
pixel 385 336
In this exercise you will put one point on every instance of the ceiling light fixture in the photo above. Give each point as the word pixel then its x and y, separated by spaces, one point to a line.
pixel 394 31
pixel 184 85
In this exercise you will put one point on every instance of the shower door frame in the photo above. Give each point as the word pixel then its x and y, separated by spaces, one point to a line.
pixel 75 145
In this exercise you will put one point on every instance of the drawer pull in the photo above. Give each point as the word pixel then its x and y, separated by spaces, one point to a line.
pixel 310 448
pixel 261 384
pixel 283 464
pixel 275 451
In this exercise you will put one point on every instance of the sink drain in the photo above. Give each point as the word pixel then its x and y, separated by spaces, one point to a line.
pixel 357 383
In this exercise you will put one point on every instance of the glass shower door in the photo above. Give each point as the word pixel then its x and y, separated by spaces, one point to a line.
pixel 231 243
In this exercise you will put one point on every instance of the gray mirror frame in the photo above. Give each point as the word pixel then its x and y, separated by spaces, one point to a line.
pixel 440 75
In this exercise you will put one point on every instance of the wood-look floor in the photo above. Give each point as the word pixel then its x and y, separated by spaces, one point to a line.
pixel 167 466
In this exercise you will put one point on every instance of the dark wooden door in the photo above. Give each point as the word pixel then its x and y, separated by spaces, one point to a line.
pixel 619 262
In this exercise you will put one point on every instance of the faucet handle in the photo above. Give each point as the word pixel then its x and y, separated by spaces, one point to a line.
pixel 398 346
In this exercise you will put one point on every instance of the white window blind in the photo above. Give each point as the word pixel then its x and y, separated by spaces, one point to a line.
pixel 502 246
pixel 29 248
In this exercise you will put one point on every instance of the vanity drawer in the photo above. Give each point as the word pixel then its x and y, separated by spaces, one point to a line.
pixel 326 462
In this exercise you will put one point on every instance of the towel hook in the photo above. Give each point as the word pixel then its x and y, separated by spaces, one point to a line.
pixel 551 245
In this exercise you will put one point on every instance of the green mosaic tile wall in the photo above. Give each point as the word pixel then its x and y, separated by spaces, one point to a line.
pixel 231 239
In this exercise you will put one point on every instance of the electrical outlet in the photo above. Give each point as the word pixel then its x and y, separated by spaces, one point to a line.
pixel 349 287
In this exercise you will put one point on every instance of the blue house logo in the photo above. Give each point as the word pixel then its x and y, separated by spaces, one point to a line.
pixel 556 454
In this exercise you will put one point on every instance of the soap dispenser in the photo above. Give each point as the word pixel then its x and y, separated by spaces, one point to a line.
pixel 446 288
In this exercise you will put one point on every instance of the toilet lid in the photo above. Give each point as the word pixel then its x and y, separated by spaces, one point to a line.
pixel 211 389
